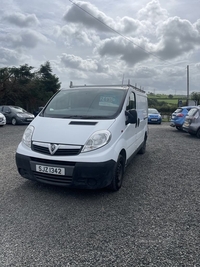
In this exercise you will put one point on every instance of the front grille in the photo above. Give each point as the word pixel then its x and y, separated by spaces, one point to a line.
pixel 62 150
pixel 53 179
pixel 53 162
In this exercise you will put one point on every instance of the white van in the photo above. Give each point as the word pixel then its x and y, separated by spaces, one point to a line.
pixel 85 136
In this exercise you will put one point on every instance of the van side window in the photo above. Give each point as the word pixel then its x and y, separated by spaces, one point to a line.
pixel 131 102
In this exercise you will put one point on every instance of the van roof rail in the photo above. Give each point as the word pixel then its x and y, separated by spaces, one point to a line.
pixel 112 85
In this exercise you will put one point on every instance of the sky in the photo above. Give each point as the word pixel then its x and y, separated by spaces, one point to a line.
pixel 154 44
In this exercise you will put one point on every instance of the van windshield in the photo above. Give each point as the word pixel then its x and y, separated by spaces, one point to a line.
pixel 84 103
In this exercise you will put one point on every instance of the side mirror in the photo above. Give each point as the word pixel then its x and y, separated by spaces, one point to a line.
pixel 132 116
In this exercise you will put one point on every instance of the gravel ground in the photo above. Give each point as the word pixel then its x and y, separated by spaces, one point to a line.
pixel 152 221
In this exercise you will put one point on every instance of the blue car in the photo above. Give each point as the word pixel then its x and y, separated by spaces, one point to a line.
pixel 154 116
pixel 178 117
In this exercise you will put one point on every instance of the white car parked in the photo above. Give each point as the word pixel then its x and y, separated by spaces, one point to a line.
pixel 2 120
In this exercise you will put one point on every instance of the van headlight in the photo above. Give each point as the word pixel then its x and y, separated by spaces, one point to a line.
pixel 27 136
pixel 97 140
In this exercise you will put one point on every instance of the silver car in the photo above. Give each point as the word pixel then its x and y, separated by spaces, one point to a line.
pixel 2 120
pixel 16 115
pixel 192 122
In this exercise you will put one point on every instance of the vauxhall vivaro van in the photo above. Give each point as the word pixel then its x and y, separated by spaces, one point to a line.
pixel 85 136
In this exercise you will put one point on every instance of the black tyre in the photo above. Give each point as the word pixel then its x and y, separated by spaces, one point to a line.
pixel 198 133
pixel 118 174
pixel 13 121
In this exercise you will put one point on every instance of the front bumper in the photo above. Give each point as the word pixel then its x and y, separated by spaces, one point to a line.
pixel 154 120
pixel 77 174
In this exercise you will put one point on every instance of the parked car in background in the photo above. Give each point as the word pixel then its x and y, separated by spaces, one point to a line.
pixel 36 112
pixel 2 120
pixel 16 115
pixel 178 117
pixel 192 122
pixel 154 116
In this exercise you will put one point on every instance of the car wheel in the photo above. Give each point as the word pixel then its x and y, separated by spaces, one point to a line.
pixel 13 121
pixel 198 133
pixel 118 174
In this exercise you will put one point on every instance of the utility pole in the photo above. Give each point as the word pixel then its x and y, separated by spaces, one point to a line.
pixel 188 94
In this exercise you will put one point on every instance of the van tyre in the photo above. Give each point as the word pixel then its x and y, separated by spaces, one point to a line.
pixel 118 174
pixel 198 133
pixel 13 121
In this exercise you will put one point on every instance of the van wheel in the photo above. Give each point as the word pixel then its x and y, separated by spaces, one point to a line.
pixel 118 174
pixel 143 148
pixel 13 121
pixel 198 133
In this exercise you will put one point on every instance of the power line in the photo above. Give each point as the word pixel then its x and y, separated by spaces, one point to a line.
pixel 117 31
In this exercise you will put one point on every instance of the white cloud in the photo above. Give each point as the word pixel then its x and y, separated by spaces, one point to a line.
pixel 132 50
pixel 197 25
pixel 22 20
pixel 146 72
pixel 177 37
pixel 88 15
pixel 9 57
pixel 75 62
pixel 127 25
pixel 153 12
pixel 150 42
pixel 26 38
pixel 82 38
pixel 197 65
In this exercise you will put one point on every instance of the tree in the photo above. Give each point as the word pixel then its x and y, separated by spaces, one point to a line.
pixel 170 96
pixel 21 86
pixel 195 96
pixel 49 81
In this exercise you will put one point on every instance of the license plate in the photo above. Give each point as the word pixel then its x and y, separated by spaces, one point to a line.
pixel 154 119
pixel 50 170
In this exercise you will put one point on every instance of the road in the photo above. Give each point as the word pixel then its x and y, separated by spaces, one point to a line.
pixel 154 220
